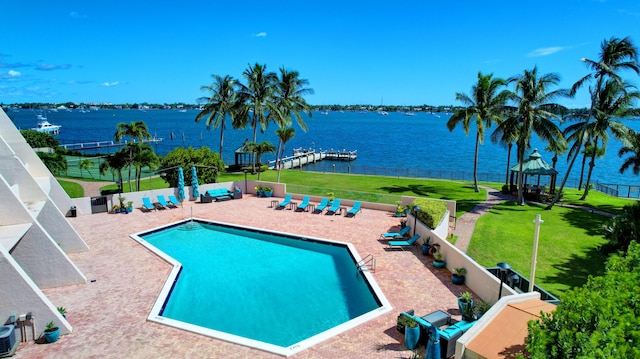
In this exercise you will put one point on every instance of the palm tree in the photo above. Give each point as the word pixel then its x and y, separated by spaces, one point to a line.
pixel 115 162
pixel 288 100
pixel 144 157
pixel 507 139
pixel 86 164
pixel 615 55
pixel 284 134
pixel 557 148
pixel 486 106
pixel 260 149
pixel 533 112
pixel 134 131
pixel 257 94
pixel 615 102
pixel 633 148
pixel 223 102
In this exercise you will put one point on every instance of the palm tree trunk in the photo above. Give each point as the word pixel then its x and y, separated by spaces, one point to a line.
pixel 520 175
pixel 475 164
pixel 278 159
pixel 222 136
pixel 506 177
pixel 592 164
pixel 584 161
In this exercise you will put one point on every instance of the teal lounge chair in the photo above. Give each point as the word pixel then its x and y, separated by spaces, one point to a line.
pixel 163 202
pixel 324 202
pixel 283 204
pixel 147 205
pixel 304 204
pixel 356 208
pixel 174 201
pixel 403 244
pixel 334 207
pixel 394 235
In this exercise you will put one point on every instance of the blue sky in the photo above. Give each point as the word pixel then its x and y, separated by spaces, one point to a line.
pixel 392 52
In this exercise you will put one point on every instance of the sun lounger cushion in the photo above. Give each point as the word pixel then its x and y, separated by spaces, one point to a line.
pixel 219 194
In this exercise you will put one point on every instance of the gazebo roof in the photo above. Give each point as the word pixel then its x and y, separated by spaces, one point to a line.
pixel 535 166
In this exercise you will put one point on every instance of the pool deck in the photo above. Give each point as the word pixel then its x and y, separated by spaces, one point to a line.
pixel 109 315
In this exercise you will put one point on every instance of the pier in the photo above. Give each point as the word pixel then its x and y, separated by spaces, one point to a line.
pixel 302 157
pixel 101 144
pixel 299 158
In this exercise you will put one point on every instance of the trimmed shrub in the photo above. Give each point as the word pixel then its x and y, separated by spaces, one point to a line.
pixel 431 211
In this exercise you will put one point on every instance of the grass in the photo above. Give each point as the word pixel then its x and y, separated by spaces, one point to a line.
pixel 74 190
pixel 567 250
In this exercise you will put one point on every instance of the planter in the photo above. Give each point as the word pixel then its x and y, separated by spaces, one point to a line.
pixel 462 307
pixel 425 249
pixel 439 264
pixel 51 335
pixel 457 279
pixel 411 337
pixel 268 194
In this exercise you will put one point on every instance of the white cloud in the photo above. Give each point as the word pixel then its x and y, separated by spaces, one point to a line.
pixel 545 51
pixel 51 67
pixel 109 84
pixel 77 15
pixel 260 34
pixel 14 73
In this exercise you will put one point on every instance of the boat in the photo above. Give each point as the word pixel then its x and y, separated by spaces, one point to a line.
pixel 343 155
pixel 409 113
pixel 45 126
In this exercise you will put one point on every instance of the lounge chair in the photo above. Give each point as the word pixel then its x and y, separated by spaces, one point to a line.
pixel 356 208
pixel 163 202
pixel 395 235
pixel 285 202
pixel 174 201
pixel 147 205
pixel 324 202
pixel 304 204
pixel 334 207
pixel 403 244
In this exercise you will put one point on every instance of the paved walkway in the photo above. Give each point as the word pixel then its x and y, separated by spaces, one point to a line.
pixel 90 188
pixel 466 224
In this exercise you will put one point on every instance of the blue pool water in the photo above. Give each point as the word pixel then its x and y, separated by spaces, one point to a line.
pixel 276 289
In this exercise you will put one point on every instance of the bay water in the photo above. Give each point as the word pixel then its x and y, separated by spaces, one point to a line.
pixel 394 145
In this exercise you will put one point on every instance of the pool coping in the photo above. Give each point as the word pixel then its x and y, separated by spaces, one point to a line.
pixel 154 315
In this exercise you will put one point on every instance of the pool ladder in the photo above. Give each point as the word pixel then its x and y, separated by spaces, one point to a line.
pixel 367 263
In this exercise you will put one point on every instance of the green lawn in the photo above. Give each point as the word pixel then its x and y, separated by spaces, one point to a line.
pixel 73 189
pixel 567 249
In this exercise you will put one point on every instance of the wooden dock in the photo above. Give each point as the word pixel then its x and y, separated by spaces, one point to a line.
pixel 300 158
pixel 101 144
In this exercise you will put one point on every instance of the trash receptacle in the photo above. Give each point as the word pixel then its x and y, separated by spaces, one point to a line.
pixel 73 211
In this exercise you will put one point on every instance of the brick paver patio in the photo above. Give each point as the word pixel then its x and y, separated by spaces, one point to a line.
pixel 109 313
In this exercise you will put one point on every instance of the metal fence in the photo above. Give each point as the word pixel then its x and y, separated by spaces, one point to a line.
pixel 619 190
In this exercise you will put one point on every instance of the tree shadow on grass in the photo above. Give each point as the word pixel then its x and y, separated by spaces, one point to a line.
pixel 418 189
pixel 591 222
pixel 575 271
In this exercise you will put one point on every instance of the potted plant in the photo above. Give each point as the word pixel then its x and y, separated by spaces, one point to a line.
pixel 51 332
pixel 466 306
pixel 411 331
pixel 62 311
pixel 268 191
pixel 130 206
pixel 122 202
pixel 403 223
pixel 259 191
pixel 458 275
pixel 426 246
pixel 481 308
pixel 331 197
pixel 438 260
pixel 116 208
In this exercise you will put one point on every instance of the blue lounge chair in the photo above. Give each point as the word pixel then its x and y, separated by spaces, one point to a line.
pixel 174 201
pixel 324 202
pixel 163 202
pixel 394 235
pixel 334 207
pixel 147 205
pixel 403 244
pixel 356 208
pixel 304 204
pixel 283 204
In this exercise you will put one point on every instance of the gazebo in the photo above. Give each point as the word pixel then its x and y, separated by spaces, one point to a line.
pixel 243 155
pixel 534 165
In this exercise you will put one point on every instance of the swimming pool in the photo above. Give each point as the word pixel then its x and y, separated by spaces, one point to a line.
pixel 273 291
